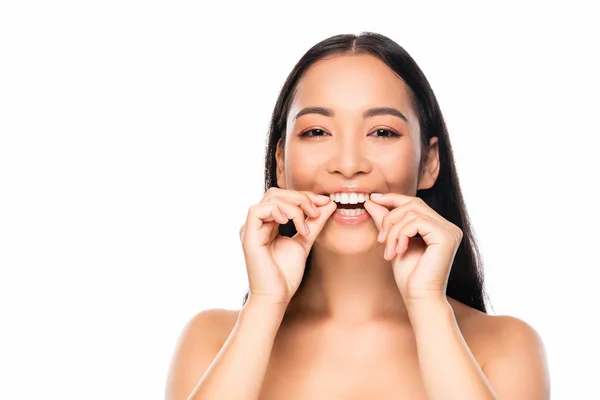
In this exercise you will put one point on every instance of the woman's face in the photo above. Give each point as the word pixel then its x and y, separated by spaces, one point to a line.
pixel 349 150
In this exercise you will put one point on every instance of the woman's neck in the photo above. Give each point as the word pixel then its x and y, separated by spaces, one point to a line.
pixel 349 289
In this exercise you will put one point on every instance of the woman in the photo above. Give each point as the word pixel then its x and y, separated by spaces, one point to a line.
pixel 364 274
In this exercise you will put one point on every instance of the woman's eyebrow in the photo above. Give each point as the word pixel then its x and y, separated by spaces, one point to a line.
pixel 371 112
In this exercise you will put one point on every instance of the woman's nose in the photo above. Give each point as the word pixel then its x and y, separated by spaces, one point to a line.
pixel 349 158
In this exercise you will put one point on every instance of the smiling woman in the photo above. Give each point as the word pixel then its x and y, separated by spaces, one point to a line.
pixel 364 273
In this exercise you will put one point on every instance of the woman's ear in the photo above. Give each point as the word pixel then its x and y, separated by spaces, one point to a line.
pixel 280 160
pixel 431 169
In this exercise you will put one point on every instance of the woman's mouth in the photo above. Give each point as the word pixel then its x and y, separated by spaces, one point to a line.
pixel 350 207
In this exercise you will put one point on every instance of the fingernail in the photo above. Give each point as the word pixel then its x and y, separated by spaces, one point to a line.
pixel 376 194
pixel 323 197
pixel 385 253
pixel 380 236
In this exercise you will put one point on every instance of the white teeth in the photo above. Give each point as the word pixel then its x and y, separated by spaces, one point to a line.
pixel 351 212
pixel 344 198
pixel 349 198
pixel 353 198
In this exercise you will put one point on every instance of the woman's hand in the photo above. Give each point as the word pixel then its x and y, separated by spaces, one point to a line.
pixel 421 265
pixel 275 263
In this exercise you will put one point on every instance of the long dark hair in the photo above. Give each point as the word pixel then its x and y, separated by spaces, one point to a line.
pixel 465 282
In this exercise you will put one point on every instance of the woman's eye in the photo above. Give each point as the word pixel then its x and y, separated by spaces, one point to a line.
pixel 385 133
pixel 382 133
pixel 313 133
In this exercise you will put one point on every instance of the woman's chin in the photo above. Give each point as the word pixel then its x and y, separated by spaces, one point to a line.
pixel 349 241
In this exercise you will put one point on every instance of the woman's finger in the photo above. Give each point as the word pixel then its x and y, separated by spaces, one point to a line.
pixel 394 238
pixel 259 215
pixel 397 201
pixel 307 201
pixel 294 213
pixel 377 212
pixel 316 226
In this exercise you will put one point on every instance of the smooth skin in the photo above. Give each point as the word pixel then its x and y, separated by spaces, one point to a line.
pixel 372 320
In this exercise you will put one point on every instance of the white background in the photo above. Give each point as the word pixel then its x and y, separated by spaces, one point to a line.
pixel 132 140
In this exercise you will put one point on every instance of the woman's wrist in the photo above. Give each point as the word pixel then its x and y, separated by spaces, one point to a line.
pixel 259 300
pixel 422 311
pixel 259 307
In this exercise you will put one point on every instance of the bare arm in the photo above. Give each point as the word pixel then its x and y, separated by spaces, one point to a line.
pixel 450 371
pixel 203 370
pixel 237 370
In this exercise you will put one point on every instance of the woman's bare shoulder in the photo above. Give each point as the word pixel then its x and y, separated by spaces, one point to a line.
pixel 488 326
pixel 495 336
pixel 484 326
pixel 512 354
pixel 199 343
pixel 215 323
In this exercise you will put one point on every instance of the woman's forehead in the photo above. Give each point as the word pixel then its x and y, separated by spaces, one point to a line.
pixel 349 86
pixel 351 82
